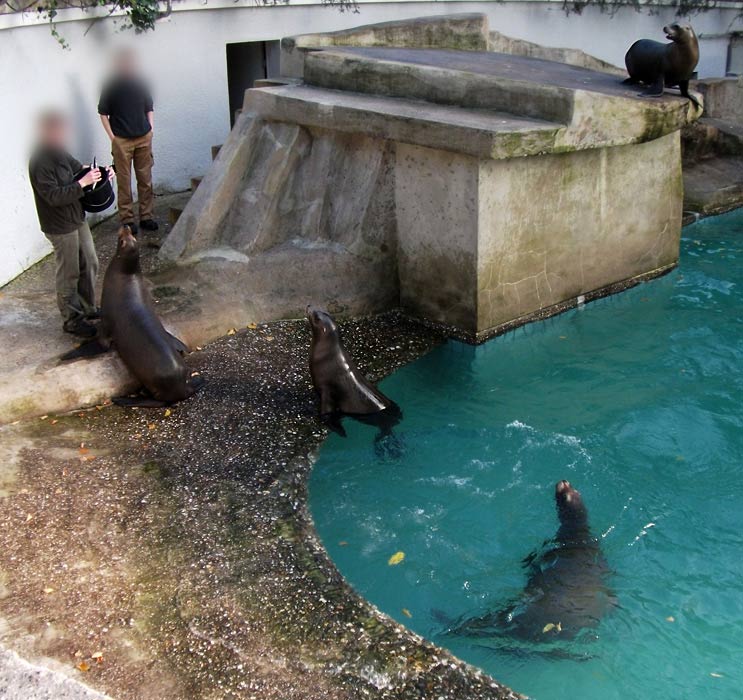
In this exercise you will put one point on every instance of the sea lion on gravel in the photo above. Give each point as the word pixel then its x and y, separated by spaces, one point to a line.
pixel 659 65
pixel 566 591
pixel 130 324
pixel 341 388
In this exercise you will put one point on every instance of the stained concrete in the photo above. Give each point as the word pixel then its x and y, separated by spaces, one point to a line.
pixel 22 680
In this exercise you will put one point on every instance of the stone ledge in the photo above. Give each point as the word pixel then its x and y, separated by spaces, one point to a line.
pixel 480 133
pixel 464 32
pixel 595 108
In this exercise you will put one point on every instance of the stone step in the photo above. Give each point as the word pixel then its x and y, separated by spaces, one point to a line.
pixel 215 151
pixel 174 214
pixel 714 185
pixel 195 182
pixel 597 108
pixel 479 133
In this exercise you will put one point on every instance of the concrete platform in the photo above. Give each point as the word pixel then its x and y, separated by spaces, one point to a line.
pixel 478 132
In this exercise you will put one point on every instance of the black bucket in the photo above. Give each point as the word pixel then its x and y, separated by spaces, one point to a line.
pixel 100 196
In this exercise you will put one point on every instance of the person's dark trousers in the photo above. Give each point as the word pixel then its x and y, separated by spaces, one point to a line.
pixel 77 269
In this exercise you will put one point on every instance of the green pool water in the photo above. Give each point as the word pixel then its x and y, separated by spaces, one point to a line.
pixel 636 399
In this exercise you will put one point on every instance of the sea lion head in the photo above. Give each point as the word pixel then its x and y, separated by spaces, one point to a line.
pixel 570 507
pixel 127 249
pixel 321 322
pixel 680 33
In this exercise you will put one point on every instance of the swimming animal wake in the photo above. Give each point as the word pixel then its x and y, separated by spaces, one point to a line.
pixel 566 590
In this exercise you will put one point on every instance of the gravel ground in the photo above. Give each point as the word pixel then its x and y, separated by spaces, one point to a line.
pixel 163 554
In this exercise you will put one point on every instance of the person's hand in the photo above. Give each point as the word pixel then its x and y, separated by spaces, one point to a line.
pixel 90 178
pixel 111 172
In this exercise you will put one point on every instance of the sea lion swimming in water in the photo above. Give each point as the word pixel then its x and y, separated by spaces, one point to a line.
pixel 130 324
pixel 660 65
pixel 341 388
pixel 566 590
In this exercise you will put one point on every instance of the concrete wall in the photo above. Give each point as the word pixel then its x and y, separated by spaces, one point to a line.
pixel 186 57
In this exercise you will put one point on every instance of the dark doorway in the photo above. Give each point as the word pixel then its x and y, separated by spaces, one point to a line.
pixel 247 62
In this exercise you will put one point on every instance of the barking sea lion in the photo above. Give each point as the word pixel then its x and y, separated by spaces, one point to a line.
pixel 130 324
pixel 341 388
pixel 660 65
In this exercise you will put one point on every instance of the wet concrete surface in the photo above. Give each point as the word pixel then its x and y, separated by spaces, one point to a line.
pixel 163 554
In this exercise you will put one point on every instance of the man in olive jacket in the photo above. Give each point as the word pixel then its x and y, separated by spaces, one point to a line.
pixel 57 193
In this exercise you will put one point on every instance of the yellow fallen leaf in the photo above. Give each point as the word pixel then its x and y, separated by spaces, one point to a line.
pixel 198 347
pixel 252 326
pixel 269 337
pixel 29 518
pixel 44 417
pixel 407 612
pixel 78 654
pixel 55 421
pixel 716 675
pixel 396 558
pixel 167 412
pixel 232 331
pixel 82 666
pixel 552 626
pixel 151 426
pixel 97 655
pixel 48 590
pixel 670 618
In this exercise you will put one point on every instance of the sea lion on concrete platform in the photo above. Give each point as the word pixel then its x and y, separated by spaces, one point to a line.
pixel 566 591
pixel 342 389
pixel 129 322
pixel 660 65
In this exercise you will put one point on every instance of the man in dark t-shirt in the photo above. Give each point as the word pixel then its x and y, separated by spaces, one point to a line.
pixel 127 115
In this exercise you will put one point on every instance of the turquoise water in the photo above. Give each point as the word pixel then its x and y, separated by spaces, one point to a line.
pixel 636 399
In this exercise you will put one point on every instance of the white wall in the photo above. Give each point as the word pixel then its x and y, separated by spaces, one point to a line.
pixel 187 61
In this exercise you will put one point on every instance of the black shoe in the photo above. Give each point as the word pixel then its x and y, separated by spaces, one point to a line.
pixel 148 225
pixel 81 328
pixel 132 227
pixel 94 315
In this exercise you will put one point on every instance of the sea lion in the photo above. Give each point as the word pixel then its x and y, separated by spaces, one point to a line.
pixel 341 388
pixel 129 323
pixel 660 65
pixel 566 590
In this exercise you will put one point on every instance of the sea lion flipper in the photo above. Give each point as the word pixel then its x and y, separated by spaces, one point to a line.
pixel 656 89
pixel 92 348
pixel 333 421
pixel 684 88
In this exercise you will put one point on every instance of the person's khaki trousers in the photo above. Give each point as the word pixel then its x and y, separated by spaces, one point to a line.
pixel 137 152
pixel 77 269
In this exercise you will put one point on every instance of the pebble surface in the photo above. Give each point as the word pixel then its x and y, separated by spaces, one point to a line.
pixel 169 554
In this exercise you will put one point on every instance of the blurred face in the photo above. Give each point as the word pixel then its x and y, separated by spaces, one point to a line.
pixel 126 63
pixel 53 131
